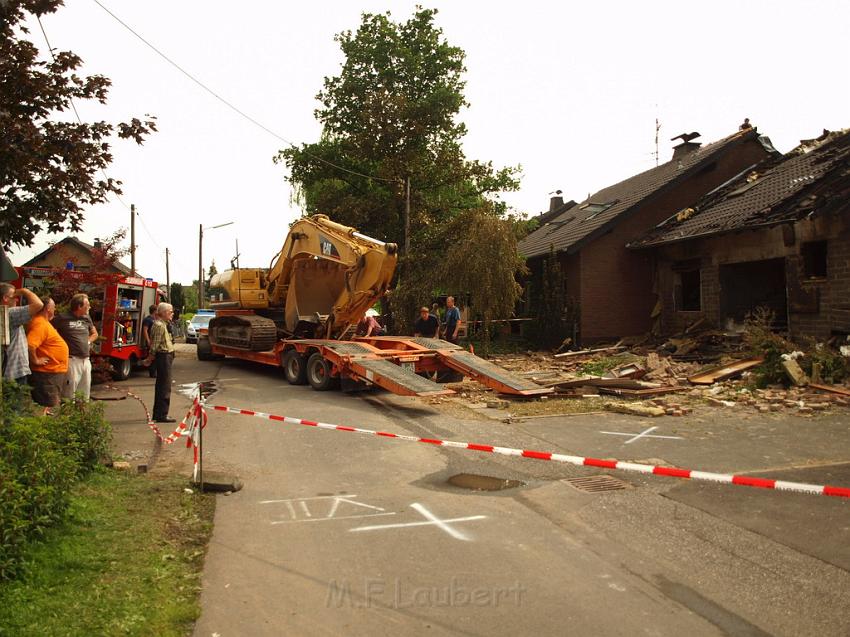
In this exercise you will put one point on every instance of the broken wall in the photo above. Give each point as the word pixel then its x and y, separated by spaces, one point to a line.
pixel 616 284
pixel 818 301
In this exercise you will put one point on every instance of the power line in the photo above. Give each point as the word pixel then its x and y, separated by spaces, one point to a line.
pixel 232 106
pixel 102 171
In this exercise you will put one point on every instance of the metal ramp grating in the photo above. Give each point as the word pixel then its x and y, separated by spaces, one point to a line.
pixel 433 343
pixel 489 370
pixel 376 370
pixel 343 347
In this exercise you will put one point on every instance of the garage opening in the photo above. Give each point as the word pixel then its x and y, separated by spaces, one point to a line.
pixel 746 286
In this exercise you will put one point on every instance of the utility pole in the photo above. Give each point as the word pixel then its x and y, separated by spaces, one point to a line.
pixel 167 276
pixel 407 216
pixel 132 239
pixel 200 266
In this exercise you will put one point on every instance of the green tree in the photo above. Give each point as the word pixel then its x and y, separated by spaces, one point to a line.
pixel 486 263
pixel 391 118
pixel 50 166
pixel 190 296
pixel 177 298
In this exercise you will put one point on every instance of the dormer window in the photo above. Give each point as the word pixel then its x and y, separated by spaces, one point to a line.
pixel 594 208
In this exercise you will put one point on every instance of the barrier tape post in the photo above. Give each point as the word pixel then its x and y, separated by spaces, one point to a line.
pixel 199 417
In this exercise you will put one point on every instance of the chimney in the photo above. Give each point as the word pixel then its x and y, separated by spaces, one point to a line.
pixel 687 146
pixel 556 202
pixel 97 242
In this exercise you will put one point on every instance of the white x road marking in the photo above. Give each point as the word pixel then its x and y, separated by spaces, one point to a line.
pixel 432 519
pixel 643 434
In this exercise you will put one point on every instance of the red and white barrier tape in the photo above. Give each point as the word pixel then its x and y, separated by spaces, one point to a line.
pixel 189 427
pixel 673 472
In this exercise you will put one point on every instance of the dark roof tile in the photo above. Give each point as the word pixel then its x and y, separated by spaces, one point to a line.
pixel 778 189
pixel 577 225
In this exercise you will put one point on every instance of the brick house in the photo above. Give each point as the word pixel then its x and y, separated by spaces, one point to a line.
pixel 776 236
pixel 74 250
pixel 609 286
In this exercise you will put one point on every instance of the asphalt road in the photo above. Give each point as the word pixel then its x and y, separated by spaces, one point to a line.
pixel 340 533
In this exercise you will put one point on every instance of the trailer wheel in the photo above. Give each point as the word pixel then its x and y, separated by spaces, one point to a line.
pixel 204 350
pixel 294 367
pixel 121 368
pixel 319 373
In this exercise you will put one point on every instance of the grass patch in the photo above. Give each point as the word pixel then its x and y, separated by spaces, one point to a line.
pixel 555 406
pixel 127 561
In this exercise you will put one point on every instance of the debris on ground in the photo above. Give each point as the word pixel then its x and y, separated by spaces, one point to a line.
pixel 702 368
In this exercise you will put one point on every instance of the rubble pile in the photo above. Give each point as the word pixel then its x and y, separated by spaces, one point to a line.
pixel 709 368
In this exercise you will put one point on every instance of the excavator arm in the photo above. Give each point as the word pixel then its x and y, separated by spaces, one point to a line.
pixel 324 278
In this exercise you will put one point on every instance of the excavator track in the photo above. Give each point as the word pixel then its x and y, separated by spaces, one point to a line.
pixel 243 331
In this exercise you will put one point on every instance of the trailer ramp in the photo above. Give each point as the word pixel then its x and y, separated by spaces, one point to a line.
pixel 488 374
pixel 395 378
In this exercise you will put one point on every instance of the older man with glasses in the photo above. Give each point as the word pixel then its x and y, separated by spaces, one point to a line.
pixel 162 355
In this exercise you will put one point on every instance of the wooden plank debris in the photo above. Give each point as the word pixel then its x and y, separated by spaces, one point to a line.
pixel 613 348
pixel 640 393
pixel 722 373
pixel 832 389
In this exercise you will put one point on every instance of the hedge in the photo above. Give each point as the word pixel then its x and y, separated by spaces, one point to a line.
pixel 41 457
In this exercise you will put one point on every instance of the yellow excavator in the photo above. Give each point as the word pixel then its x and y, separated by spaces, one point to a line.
pixel 318 286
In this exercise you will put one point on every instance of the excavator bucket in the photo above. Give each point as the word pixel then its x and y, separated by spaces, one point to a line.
pixel 314 287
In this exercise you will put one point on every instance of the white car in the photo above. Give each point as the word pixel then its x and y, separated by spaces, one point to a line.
pixel 195 323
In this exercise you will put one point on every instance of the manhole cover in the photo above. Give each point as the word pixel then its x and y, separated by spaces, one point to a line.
pixel 595 484
pixel 483 483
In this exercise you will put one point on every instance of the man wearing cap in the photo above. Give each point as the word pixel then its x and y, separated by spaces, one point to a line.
pixel 368 325
pixel 426 325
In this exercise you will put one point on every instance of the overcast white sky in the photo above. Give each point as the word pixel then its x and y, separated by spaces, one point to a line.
pixel 569 93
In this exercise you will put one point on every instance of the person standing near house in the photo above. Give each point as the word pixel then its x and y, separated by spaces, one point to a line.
pixel 426 325
pixel 161 355
pixel 452 320
pixel 15 357
pixel 79 332
pixel 48 354
pixel 147 323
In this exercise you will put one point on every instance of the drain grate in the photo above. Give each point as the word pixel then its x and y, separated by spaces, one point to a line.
pixel 597 484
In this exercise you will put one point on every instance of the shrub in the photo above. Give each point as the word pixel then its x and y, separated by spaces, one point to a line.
pixel 761 340
pixel 40 459
pixel 834 367
pixel 80 430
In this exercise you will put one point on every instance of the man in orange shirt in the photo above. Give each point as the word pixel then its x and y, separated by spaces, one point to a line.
pixel 48 357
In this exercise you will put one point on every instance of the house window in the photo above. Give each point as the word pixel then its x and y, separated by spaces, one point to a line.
pixel 814 259
pixel 688 290
pixel 594 208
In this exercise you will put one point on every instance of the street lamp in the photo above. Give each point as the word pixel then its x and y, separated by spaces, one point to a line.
pixel 201 259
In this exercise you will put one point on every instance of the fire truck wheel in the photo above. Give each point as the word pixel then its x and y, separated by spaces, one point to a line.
pixel 319 373
pixel 294 367
pixel 121 368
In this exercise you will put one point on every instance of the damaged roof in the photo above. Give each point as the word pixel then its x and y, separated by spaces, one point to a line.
pixel 582 223
pixel 811 179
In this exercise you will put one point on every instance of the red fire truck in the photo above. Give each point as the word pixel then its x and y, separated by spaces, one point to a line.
pixel 117 310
